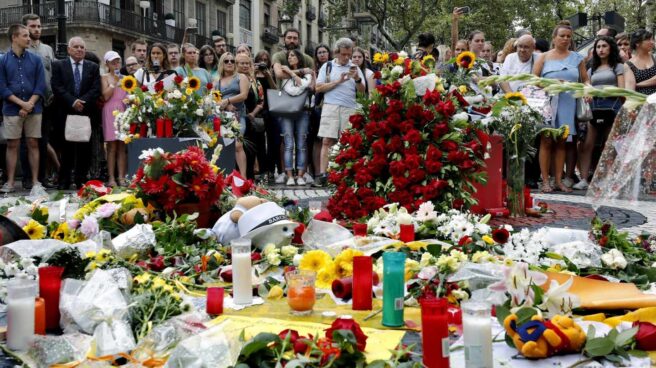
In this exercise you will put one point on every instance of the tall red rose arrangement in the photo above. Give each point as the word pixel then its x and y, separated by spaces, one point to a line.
pixel 183 177
pixel 406 149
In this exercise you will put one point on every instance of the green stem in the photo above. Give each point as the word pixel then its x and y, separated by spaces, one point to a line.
pixel 581 362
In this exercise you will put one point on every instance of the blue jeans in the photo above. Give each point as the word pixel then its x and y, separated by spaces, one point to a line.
pixel 295 130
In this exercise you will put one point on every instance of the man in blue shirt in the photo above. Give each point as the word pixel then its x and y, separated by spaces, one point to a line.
pixel 22 88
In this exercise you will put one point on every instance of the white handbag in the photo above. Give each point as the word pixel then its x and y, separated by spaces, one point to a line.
pixel 78 128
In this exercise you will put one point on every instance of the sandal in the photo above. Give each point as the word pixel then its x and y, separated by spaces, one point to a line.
pixel 124 183
pixel 546 188
pixel 562 188
pixel 111 183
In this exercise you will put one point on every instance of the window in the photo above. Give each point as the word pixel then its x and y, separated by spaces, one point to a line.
pixel 221 22
pixel 179 11
pixel 308 33
pixel 201 18
pixel 245 14
pixel 267 15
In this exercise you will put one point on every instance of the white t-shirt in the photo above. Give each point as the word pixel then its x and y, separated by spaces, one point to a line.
pixel 344 93
pixel 513 66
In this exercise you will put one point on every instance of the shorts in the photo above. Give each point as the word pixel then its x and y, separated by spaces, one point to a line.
pixel 13 126
pixel 334 119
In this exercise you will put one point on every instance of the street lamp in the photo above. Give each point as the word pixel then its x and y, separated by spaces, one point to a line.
pixel 144 4
pixel 61 29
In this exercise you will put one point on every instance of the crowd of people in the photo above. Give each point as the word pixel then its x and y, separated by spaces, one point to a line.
pixel 41 94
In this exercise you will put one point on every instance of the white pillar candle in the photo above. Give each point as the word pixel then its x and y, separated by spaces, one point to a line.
pixel 477 331
pixel 242 287
pixel 20 313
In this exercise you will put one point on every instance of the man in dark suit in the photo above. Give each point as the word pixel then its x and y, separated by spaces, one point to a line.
pixel 76 86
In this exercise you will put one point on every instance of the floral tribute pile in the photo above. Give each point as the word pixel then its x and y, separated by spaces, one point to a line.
pixel 406 148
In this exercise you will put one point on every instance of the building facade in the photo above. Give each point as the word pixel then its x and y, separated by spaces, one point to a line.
pixel 115 24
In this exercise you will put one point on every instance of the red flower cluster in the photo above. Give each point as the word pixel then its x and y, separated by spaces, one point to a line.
pixel 93 189
pixel 407 152
pixel 183 177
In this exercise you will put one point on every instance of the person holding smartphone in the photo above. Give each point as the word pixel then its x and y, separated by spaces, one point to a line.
pixel 113 96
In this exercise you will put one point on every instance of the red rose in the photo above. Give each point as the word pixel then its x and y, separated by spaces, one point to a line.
pixel 157 263
pixel 377 75
pixel 646 336
pixel 226 275
pixel 293 335
pixel 209 86
pixel 464 241
pixel 400 183
pixel 603 241
pixel 397 168
pixel 159 86
pixel 298 232
pixel 440 129
pixel 379 146
pixel 449 145
pixel 500 235
pixel 256 256
pixel 457 203
pixel 605 228
pixel 427 116
pixel 394 56
pixel 301 346
pixel 432 97
pixel 446 108
pixel 433 167
pixel 414 112
pixel 356 121
pixel 413 137
pixel 351 325
pixel 466 164
pixel 395 144
pixel 178 79
pixel 144 88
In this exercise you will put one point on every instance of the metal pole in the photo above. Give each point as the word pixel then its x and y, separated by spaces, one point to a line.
pixel 61 29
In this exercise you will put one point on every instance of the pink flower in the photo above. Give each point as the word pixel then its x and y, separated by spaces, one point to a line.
pixel 106 210
pixel 89 226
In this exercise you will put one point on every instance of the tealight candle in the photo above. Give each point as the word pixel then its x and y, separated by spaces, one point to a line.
pixel 477 335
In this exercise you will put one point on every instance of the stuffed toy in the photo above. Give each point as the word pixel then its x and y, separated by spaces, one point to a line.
pixel 539 338
pixel 226 228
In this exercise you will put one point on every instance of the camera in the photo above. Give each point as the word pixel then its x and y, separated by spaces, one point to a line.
pixel 156 66
pixel 262 66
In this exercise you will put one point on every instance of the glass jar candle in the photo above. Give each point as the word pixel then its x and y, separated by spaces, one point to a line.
pixel 477 334
pixel 21 294
pixel 393 288
pixel 242 283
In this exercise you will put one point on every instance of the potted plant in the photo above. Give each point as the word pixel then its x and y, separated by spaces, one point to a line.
pixel 169 19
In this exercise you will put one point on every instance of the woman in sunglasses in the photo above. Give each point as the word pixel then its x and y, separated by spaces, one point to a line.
pixel 234 91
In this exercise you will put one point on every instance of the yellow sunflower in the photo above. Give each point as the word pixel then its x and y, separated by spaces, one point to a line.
pixel 516 96
pixel 378 58
pixel 35 230
pixel 428 60
pixel 314 260
pixel 129 84
pixel 217 96
pixel 326 276
pixel 344 262
pixel 194 83
pixel 61 232
pixel 466 59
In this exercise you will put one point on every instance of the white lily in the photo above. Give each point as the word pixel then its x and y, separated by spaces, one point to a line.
pixel 557 300
pixel 517 282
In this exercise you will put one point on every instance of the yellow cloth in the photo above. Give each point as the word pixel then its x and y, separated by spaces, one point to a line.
pixel 279 309
pixel 598 294
pixel 379 342
pixel 641 315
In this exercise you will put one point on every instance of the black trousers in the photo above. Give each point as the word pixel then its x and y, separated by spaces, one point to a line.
pixel 74 156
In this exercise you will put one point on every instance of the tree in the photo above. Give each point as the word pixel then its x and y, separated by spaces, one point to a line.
pixel 400 19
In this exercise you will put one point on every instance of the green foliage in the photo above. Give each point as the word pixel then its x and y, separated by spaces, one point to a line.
pixel 615 346
pixel 73 263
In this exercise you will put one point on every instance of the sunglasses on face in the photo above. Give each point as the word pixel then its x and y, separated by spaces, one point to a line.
pixel 231 61
pixel 131 65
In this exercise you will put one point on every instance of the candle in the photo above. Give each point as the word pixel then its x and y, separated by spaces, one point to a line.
pixel 20 313
pixel 301 294
pixel 477 335
pixel 242 287
pixel 216 124
pixel 168 128
pixel 159 126
pixel 214 304
pixel 133 128
pixel 360 229
pixel 343 288
pixel 39 317
pixel 143 130
pixel 393 288
pixel 435 333
pixel 407 233
pixel 49 287
pixel 363 282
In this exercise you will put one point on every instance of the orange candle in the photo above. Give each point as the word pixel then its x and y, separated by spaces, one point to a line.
pixel 40 316
pixel 301 298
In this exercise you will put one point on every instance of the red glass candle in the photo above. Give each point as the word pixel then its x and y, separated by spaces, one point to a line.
pixel 214 301
pixel 143 130
pixel 360 229
pixel 49 287
pixel 168 128
pixel 133 128
pixel 407 233
pixel 217 124
pixel 435 332
pixel 363 282
pixel 528 200
pixel 159 127
pixel 342 288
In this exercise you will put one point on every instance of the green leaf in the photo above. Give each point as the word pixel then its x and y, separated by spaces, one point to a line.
pixel 638 353
pixel 259 342
pixel 435 250
pixel 599 347
pixel 524 315
pixel 502 313
pixel 625 336
pixel 509 341
pixel 614 358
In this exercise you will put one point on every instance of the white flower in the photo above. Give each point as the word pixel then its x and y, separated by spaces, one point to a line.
pixel 11 269
pixel 426 212
pixel 31 270
pixel 89 226
pixel 448 264
pixel 403 54
pixel 176 94
pixel 614 259
pixel 404 218
pixel 460 256
pixel 460 294
pixel 273 258
pixel 269 249
pixel 398 69
pixel 200 112
pixel 481 257
pixel 289 251
pixel 26 262
pixel 557 300
pixel 297 259
pixel 460 116
pixel 426 259
pixel 151 152
pixel 517 282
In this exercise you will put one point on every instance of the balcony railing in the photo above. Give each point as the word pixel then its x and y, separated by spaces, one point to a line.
pixel 270 34
pixel 246 36
pixel 103 15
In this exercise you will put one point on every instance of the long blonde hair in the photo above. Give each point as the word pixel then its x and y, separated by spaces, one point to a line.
pixel 222 63
pixel 242 57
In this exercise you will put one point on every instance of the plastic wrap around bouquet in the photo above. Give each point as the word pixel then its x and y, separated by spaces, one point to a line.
pixel 333 238
pixel 217 347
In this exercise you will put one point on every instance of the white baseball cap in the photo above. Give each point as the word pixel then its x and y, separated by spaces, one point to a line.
pixel 111 55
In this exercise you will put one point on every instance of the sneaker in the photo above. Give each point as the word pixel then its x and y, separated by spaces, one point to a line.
pixel 308 178
pixel 320 181
pixel 27 185
pixel 280 178
pixel 568 182
pixel 37 187
pixel 581 185
pixel 291 182
pixel 7 188
pixel 300 181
